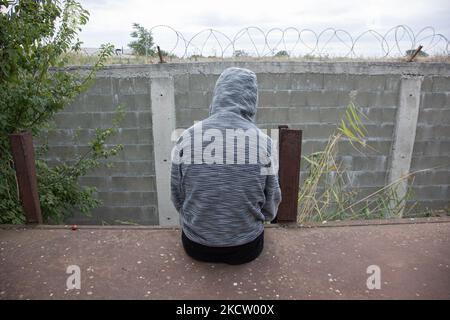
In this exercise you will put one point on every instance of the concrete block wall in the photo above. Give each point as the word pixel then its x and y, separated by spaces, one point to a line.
pixel 313 102
pixel 128 188
pixel 308 96
pixel 432 144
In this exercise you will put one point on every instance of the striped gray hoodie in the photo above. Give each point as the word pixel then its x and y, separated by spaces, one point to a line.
pixel 224 181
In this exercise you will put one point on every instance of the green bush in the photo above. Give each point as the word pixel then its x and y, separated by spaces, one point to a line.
pixel 34 39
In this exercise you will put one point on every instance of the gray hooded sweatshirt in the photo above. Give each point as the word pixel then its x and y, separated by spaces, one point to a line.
pixel 224 182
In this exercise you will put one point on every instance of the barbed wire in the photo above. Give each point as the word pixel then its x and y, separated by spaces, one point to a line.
pixel 291 41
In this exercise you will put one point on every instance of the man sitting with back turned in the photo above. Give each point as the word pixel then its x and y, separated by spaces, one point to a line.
pixel 224 178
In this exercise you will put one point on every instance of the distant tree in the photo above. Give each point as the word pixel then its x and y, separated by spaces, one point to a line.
pixel 282 53
pixel 240 53
pixel 143 45
pixel 420 54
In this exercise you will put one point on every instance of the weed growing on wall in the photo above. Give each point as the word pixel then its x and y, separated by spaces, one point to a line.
pixel 327 192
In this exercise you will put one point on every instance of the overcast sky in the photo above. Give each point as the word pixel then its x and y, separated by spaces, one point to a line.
pixel 111 20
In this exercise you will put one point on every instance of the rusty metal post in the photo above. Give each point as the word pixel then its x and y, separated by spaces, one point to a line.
pixel 23 155
pixel 415 53
pixel 161 60
pixel 290 150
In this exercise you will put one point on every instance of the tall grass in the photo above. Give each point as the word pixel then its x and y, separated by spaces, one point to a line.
pixel 327 192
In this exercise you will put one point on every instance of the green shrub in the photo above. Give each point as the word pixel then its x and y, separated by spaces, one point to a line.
pixel 34 39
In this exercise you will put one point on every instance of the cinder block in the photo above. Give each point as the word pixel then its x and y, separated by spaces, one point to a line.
pixel 431 192
pixel 74 120
pixel 438 177
pixel 414 208
pixel 102 85
pixel 274 81
pixel 136 152
pixel 298 98
pixel 377 148
pixel 198 99
pixel 384 131
pixel 444 147
pixel 77 105
pixel 144 119
pixel 337 82
pixel 145 215
pixel 282 81
pixel 124 168
pixel 432 132
pixel 66 153
pixel 367 178
pixel 198 82
pixel 142 102
pixel 428 162
pixel 331 115
pixel 370 83
pixel 303 115
pixel 427 84
pixel 198 114
pixel 389 115
pixel 128 184
pixel 371 115
pixel 126 86
pixel 95 102
pixel 435 100
pixel 265 81
pixel 441 84
pixel 307 81
pixel 101 183
pixel 124 136
pixel 272 115
pixel 363 99
pixel 392 83
pixel 59 137
pixel 444 117
pixel 383 99
pixel 105 119
pixel 369 163
pixel 182 120
pixel 266 98
pixel 181 100
pixel 317 131
pixel 186 117
pixel 181 83
pixel 282 98
pixel 127 198
pixel 426 148
pixel 344 99
pixel 141 85
pixel 145 136
pixel 128 101
pixel 322 98
pixel 428 116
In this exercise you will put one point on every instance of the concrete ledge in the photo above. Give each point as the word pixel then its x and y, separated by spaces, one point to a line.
pixel 328 224
pixel 211 68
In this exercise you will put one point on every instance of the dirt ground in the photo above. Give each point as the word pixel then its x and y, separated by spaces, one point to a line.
pixel 297 263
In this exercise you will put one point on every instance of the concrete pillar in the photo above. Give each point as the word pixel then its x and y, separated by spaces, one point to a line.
pixel 404 134
pixel 163 124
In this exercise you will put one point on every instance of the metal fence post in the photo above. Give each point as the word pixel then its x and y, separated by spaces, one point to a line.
pixel 23 155
pixel 290 149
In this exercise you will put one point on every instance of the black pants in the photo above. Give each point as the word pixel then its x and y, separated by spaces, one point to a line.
pixel 231 255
